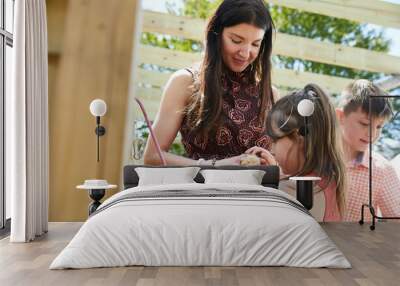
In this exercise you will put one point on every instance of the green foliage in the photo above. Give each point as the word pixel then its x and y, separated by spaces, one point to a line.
pixel 389 143
pixel 192 8
pixel 178 149
pixel 142 131
pixel 327 29
pixel 200 9
pixel 170 42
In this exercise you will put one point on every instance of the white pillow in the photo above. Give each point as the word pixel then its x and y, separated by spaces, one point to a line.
pixel 166 176
pixel 248 177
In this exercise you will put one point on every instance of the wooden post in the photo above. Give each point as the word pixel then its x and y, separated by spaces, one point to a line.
pixel 94 63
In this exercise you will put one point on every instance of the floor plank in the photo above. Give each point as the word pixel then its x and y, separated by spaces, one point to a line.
pixel 375 257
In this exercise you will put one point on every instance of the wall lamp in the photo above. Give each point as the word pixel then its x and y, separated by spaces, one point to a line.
pixel 304 185
pixel 98 108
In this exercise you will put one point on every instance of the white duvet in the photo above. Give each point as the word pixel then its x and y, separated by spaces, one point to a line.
pixel 183 231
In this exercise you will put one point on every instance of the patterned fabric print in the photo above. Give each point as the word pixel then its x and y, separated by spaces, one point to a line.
pixel 240 129
pixel 385 188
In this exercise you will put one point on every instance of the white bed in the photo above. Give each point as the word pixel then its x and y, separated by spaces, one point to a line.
pixel 225 225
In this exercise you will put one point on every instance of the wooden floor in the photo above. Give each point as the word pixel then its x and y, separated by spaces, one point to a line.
pixel 375 256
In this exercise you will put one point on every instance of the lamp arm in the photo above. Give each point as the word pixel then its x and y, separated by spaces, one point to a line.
pixel 155 141
pixel 98 135
pixel 305 137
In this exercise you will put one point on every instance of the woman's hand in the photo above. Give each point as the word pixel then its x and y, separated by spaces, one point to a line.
pixel 230 161
pixel 266 158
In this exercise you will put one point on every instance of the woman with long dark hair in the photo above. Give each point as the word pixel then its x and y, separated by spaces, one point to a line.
pixel 220 107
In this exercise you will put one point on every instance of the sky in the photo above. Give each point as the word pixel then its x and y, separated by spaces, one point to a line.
pixel 391 33
pixel 394 34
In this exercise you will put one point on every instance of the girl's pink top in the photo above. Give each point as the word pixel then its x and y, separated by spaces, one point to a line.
pixel 331 207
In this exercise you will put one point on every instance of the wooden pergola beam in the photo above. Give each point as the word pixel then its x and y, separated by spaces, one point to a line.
pixel 177 59
pixel 367 11
pixel 390 83
pixel 284 44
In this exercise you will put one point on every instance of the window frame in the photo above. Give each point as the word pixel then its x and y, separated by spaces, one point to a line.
pixel 6 39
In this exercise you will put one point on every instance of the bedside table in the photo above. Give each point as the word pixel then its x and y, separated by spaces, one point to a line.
pixel 97 190
pixel 304 190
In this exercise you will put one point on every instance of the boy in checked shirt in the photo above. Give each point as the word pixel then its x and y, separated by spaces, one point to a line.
pixel 353 116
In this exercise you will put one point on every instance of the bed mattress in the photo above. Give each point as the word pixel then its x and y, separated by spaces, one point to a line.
pixel 201 225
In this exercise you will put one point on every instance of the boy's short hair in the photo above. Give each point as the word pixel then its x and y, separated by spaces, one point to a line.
pixel 357 94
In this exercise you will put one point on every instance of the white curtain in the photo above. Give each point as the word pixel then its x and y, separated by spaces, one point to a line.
pixel 27 141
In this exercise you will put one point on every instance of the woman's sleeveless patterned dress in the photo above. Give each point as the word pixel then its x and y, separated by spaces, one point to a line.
pixel 239 129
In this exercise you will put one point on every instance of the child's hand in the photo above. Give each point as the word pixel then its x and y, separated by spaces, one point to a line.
pixel 266 157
